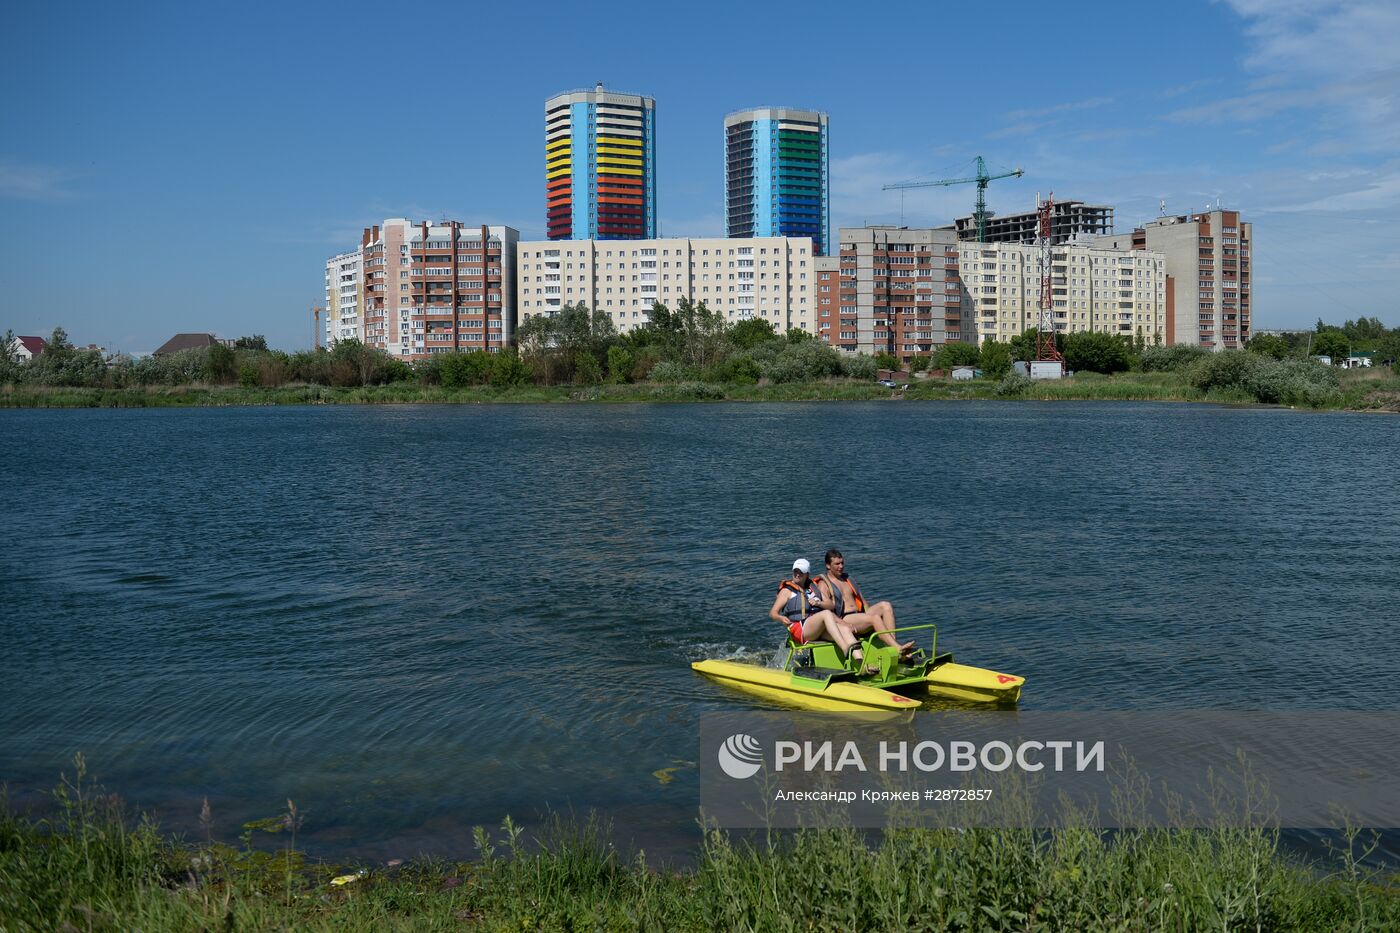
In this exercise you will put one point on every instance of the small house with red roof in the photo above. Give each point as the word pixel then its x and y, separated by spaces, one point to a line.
pixel 29 347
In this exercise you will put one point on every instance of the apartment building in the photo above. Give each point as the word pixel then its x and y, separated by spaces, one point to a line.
pixel 891 290
pixel 1068 219
pixel 343 297
pixel 438 287
pixel 770 278
pixel 1208 257
pixel 600 166
pixel 776 176
pixel 1113 291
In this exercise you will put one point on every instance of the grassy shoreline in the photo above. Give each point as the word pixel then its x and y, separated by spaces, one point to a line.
pixel 1361 391
pixel 91 867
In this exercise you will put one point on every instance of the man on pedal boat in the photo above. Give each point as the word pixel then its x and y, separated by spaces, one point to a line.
pixel 805 622
pixel 839 593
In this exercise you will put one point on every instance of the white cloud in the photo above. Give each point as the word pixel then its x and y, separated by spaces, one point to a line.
pixel 1040 112
pixel 33 182
pixel 1333 62
pixel 1340 38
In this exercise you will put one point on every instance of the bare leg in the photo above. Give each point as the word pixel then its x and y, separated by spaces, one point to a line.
pixel 825 624
pixel 864 621
pixel 885 612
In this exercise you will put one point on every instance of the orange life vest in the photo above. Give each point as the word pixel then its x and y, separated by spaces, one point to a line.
pixel 839 594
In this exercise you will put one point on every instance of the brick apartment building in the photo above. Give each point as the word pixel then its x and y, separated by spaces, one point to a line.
pixel 438 287
pixel 891 290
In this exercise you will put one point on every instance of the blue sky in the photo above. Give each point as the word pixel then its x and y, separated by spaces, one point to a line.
pixel 178 167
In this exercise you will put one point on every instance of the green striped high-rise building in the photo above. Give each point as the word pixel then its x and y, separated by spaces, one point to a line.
pixel 775 174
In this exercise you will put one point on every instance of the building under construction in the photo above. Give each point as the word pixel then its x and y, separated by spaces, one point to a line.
pixel 1067 220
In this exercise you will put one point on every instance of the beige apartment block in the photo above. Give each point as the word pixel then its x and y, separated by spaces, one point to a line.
pixel 343 298
pixel 1209 258
pixel 1111 291
pixel 769 278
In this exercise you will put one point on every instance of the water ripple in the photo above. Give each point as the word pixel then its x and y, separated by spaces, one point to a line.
pixel 413 619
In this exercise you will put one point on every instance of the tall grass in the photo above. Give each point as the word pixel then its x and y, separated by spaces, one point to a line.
pixel 92 867
pixel 1303 385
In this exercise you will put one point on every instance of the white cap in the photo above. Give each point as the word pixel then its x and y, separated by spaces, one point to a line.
pixel 802 565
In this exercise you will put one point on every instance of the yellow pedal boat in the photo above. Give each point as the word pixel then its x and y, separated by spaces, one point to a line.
pixel 817 676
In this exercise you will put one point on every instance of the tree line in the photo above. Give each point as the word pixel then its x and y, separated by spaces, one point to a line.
pixel 573 346
pixel 690 343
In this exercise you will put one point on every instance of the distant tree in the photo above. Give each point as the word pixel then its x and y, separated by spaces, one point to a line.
pixel 508 370
pixel 1271 345
pixel 886 361
pixel 918 364
pixel 957 354
pixel 465 369
pixel 1388 347
pixel 1331 343
pixel 255 342
pixel 586 369
pixel 797 335
pixel 9 348
pixel 222 364
pixel 995 359
pixel 1364 332
pixel 620 363
pixel 1023 345
pixel 59 346
pixel 1090 351
pixel 750 333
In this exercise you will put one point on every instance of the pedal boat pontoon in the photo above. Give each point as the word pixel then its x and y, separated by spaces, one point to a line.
pixel 817 676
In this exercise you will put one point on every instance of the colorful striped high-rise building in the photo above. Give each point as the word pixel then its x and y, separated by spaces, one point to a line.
pixel 600 166
pixel 775 174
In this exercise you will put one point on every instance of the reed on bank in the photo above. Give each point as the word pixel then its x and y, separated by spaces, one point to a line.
pixel 91 867
pixel 1357 390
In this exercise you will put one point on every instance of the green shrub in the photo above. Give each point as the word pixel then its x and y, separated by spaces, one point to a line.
pixel 1285 382
pixel 1092 351
pixel 1014 385
pixel 396 370
pixel 670 371
pixel 620 364
pixel 248 376
pixel 956 354
pixel 508 370
pixel 739 369
pixel 586 369
pixel 1293 382
pixel 801 361
pixel 995 359
pixel 458 370
pixel 222 364
pixel 1227 370
pixel 1170 359
pixel 860 366
pixel 752 332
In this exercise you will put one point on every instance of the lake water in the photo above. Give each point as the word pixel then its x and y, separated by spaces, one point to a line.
pixel 415 619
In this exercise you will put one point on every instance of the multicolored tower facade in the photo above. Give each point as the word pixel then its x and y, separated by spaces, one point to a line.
pixel 600 166
pixel 775 174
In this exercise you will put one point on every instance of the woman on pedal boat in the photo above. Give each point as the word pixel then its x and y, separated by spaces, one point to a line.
pixel 805 622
